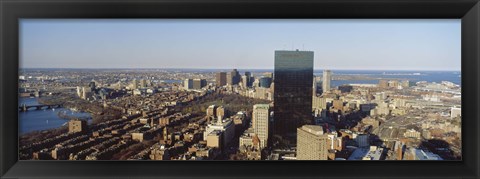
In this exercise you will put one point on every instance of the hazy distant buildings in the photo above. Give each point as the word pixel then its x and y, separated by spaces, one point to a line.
pixel 256 83
pixel 199 83
pixel 221 79
pixel 92 86
pixel 265 82
pixel 244 81
pixel 247 79
pixel 85 92
pixel 312 143
pixel 79 91
pixel 188 84
pixel 233 77
pixel 134 84
pixel 268 74
pixel 383 83
pixel 293 92
pixel 327 77
pixel 260 121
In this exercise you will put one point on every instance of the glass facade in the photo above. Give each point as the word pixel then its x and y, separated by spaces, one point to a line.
pixel 293 79
pixel 265 82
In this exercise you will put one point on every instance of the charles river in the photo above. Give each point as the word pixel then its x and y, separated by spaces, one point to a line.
pixel 35 120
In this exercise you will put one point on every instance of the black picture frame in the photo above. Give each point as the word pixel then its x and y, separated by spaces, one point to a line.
pixel 466 10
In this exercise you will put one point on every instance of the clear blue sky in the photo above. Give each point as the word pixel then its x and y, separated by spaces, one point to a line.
pixel 244 44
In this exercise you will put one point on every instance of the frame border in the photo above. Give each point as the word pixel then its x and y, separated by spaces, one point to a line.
pixel 12 10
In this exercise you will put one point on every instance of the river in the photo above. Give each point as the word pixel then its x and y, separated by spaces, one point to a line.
pixel 35 120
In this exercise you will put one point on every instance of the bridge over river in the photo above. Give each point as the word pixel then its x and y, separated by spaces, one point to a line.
pixel 38 107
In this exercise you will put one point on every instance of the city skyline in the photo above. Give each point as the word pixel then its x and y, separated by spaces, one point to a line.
pixel 241 44
pixel 234 115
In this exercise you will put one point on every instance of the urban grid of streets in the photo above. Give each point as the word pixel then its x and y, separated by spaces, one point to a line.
pixel 141 114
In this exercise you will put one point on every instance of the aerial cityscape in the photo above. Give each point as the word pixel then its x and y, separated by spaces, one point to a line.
pixel 291 108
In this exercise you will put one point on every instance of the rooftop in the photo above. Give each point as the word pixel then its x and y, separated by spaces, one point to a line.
pixel 372 153
pixel 314 129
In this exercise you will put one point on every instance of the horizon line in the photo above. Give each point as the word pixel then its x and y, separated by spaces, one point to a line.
pixel 193 68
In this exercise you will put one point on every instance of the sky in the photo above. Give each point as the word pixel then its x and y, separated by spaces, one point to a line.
pixel 388 44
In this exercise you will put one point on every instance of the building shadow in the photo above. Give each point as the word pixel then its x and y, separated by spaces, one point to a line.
pixel 441 148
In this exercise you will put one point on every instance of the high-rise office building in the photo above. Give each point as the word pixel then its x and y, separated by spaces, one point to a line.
pixel 248 77
pixel 227 128
pixel 268 74
pixel 293 79
pixel 199 83
pixel 211 111
pixel 244 81
pixel 188 84
pixel 221 79
pixel 312 143
pixel 260 122
pixel 233 77
pixel 256 83
pixel 92 86
pixel 265 82
pixel 327 77
pixel 143 83
pixel 134 84
pixel 220 112
pixel 79 92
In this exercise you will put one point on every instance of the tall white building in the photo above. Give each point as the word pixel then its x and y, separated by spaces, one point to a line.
pixel 79 92
pixel 327 77
pixel 455 112
pixel 226 127
pixel 312 143
pixel 260 120
pixel 188 84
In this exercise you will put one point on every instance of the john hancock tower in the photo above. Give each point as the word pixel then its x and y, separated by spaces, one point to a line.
pixel 293 93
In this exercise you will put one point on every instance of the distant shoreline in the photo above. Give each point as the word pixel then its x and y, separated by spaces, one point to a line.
pixel 227 69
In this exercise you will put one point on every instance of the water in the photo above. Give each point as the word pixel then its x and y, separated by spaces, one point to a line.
pixel 414 76
pixel 35 120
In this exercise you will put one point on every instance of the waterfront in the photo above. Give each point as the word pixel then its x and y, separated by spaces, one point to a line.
pixel 35 120
pixel 133 110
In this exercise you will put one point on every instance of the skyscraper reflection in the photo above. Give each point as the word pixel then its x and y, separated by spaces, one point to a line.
pixel 293 93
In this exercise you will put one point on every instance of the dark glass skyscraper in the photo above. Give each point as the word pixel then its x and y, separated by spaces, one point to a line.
pixel 221 79
pixel 233 77
pixel 293 79
pixel 265 82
